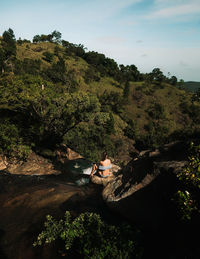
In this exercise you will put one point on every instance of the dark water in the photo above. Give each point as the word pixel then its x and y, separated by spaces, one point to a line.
pixel 80 170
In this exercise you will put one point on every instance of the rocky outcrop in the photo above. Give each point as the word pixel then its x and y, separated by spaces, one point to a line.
pixel 142 192
pixel 38 165
pixel 3 162
pixel 104 181
pixel 65 154
pixel 34 165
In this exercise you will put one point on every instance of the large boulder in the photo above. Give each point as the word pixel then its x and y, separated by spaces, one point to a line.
pixel 142 192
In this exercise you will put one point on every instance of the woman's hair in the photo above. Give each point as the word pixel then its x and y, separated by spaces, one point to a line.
pixel 104 155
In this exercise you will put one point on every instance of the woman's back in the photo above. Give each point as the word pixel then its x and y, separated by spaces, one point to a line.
pixel 106 162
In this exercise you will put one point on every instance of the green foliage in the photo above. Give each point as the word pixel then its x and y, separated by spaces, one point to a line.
pixel 126 90
pixel 131 130
pixel 157 135
pixel 73 49
pixel 128 73
pixel 91 75
pixel 156 111
pixel 9 43
pixel 111 101
pixel 48 56
pixel 187 198
pixel 157 75
pixel 28 66
pixel 55 37
pixel 190 86
pixel 39 97
pixel 89 236
pixel 185 204
pixel 106 66
pixel 11 141
pixel 196 96
pixel 57 73
pixel 173 80
pixel 192 109
pixel 20 41
pixel 7 51
pixel 93 138
pixel 49 112
pixel 2 59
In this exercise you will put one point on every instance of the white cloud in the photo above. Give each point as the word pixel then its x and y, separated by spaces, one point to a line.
pixel 181 9
pixel 183 64
pixel 174 2
pixel 170 1
pixel 102 9
pixel 144 55
pixel 110 40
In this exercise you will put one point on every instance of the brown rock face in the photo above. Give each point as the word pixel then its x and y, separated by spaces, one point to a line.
pixel 38 165
pixel 34 165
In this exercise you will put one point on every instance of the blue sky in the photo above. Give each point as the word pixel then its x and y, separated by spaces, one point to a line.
pixel 146 33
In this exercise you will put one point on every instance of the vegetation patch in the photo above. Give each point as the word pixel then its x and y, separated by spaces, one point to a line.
pixel 90 237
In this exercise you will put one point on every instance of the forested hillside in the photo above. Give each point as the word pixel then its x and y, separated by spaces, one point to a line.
pixel 192 86
pixel 53 92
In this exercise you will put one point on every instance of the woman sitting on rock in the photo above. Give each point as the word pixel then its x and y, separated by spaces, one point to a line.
pixel 103 167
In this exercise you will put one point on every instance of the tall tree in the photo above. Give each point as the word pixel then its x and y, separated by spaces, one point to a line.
pixel 157 74
pixel 9 44
pixel 56 36
pixel 173 80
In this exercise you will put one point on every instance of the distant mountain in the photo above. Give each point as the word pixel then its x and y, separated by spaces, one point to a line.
pixel 192 86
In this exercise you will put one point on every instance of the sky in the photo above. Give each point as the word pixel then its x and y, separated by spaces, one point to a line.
pixel 150 34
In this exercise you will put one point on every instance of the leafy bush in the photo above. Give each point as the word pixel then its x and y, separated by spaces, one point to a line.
pixel 11 142
pixel 89 236
pixel 112 101
pixel 91 74
pixel 131 130
pixel 47 113
pixel 156 111
pixel 157 135
pixel 187 198
pixel 48 56
pixel 93 138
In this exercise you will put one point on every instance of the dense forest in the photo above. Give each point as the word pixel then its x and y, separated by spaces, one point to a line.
pixel 53 91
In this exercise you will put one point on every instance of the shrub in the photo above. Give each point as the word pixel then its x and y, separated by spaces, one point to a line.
pixel 187 197
pixel 156 111
pixel 11 143
pixel 48 56
pixel 131 130
pixel 89 236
